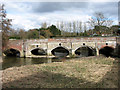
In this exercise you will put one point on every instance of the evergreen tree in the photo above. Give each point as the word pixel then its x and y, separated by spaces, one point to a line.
pixel 54 30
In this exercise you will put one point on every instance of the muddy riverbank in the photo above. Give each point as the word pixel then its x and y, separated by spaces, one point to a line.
pixel 88 72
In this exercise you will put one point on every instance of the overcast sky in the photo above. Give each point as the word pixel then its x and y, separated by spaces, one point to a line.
pixel 29 15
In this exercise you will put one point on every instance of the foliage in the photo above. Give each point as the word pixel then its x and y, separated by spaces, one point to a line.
pixel 33 34
pixel 45 33
pixel 54 30
pixel 22 34
pixel 115 29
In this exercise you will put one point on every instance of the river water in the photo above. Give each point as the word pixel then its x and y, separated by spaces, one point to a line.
pixel 14 61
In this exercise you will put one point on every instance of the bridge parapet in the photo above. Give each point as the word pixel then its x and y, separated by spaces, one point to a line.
pixel 82 39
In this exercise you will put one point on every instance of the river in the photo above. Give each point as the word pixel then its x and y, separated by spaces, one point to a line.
pixel 14 61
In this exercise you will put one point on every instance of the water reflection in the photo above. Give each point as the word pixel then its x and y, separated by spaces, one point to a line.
pixel 14 61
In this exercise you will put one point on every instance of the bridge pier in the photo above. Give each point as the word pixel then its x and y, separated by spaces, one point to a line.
pixel 73 52
pixel 21 54
pixel 49 53
pixel 97 52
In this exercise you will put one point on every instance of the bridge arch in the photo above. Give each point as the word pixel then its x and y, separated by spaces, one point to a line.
pixel 107 50
pixel 38 51
pixel 12 52
pixel 85 51
pixel 60 51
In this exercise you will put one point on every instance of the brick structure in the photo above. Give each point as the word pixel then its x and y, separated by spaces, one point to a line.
pixel 71 44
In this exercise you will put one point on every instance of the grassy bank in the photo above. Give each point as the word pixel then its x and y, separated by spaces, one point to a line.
pixel 88 72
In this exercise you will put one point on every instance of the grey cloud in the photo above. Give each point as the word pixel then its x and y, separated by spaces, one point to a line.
pixel 108 8
pixel 44 7
pixel 119 11
pixel 47 7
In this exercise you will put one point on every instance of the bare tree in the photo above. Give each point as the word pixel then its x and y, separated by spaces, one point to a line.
pixel 5 24
pixel 22 34
pixel 66 28
pixel 74 28
pixel 61 28
pixel 99 20
pixel 108 23
pixel 80 27
pixel 58 25
pixel 44 25
pixel 85 29
pixel 13 33
pixel 70 27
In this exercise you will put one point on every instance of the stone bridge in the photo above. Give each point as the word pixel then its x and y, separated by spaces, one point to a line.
pixel 25 47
